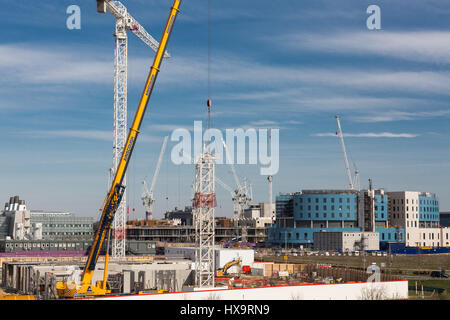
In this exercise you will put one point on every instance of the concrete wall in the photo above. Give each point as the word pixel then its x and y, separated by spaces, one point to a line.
pixel 346 291
pixel 346 241
pixel 222 256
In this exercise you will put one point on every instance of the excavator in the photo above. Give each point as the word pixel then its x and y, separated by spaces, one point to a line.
pixel 224 270
pixel 71 289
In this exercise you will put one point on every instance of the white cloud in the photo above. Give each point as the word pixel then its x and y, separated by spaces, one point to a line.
pixel 102 135
pixel 401 116
pixel 421 46
pixel 370 135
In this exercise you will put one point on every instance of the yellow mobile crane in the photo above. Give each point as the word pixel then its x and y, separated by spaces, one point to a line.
pixel 112 201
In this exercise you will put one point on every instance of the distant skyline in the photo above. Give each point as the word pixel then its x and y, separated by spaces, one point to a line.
pixel 291 65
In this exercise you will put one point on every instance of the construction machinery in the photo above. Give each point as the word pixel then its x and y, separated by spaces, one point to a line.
pixel 147 196
pixel 353 182
pixel 124 22
pixel 242 195
pixel 68 289
pixel 224 271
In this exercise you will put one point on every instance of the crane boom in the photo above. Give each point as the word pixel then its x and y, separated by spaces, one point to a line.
pixel 347 168
pixel 225 186
pixel 115 193
pixel 158 166
pixel 147 196
pixel 230 161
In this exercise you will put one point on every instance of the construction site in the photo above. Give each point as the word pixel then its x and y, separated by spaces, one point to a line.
pixel 302 246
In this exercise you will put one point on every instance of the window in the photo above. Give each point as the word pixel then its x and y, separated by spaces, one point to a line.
pixel 306 235
pixel 340 200
pixel 317 200
pixel 324 207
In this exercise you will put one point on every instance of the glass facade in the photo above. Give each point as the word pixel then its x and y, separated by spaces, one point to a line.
pixel 428 209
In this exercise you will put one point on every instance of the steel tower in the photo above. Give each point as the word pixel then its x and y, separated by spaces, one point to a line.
pixel 204 204
pixel 124 22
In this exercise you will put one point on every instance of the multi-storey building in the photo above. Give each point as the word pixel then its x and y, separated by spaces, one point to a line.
pixel 303 213
pixel 418 213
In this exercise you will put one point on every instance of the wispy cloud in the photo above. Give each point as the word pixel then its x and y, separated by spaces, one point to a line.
pixel 102 135
pixel 401 116
pixel 421 46
pixel 370 135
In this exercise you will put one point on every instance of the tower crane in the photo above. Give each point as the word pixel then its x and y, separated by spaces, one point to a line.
pixel 352 181
pixel 147 196
pixel 242 193
pixel 234 197
pixel 124 22
pixel 113 198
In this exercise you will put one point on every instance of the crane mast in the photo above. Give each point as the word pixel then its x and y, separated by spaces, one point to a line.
pixel 124 22
pixel 147 196
pixel 116 191
pixel 347 168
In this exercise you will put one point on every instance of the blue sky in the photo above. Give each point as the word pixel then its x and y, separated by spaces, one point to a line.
pixel 290 65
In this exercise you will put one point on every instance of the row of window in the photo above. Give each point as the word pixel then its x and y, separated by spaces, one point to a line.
pixel 66 233
pixel 432 202
pixel 325 215
pixel 52 225
pixel 297 236
pixel 324 200
pixel 282 236
pixel 325 208
pixel 431 236
pixel 43 245
pixel 389 236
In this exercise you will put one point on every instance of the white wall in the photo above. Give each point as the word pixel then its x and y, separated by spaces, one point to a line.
pixel 346 291
pixel 223 255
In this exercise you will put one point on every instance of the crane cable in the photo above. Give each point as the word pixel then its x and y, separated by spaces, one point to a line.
pixel 208 102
